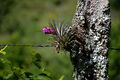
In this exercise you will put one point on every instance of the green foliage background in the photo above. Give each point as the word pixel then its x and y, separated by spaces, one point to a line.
pixel 21 22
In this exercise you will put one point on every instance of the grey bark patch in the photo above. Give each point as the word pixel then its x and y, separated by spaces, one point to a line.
pixel 90 59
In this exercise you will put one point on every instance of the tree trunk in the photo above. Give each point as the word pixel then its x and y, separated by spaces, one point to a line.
pixel 89 53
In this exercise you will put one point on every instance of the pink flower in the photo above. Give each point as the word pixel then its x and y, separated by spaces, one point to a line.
pixel 46 30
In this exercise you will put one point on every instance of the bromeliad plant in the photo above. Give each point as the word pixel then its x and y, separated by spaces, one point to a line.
pixel 64 34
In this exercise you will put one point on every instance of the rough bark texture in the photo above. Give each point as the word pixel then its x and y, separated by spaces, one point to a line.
pixel 89 53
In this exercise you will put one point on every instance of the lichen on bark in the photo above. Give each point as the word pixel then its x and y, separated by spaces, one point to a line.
pixel 89 53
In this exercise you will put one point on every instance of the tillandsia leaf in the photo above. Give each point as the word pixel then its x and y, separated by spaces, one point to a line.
pixel 61 25
pixel 62 36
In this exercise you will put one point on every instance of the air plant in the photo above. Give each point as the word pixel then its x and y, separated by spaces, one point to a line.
pixel 63 35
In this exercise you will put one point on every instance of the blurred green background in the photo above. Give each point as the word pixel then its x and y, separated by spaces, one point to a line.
pixel 21 22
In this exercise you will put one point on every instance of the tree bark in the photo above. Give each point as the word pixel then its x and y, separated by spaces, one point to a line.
pixel 89 52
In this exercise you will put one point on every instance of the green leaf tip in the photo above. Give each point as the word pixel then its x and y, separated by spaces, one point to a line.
pixel 61 78
pixel 2 50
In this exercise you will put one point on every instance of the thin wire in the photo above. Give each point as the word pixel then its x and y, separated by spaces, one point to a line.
pixel 115 49
pixel 27 45
pixel 118 49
